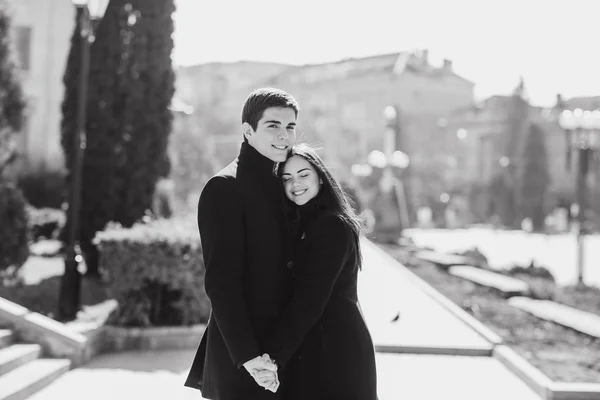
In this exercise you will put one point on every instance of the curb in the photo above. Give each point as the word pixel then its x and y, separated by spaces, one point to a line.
pixel 436 351
pixel 545 387
pixel 530 375
pixel 574 391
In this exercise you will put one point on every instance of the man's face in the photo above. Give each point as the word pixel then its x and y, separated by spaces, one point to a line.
pixel 275 133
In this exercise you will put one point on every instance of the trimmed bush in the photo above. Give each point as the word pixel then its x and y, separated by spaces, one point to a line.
pixel 478 259
pixel 14 240
pixel 542 285
pixel 155 271
pixel 45 222
pixel 533 271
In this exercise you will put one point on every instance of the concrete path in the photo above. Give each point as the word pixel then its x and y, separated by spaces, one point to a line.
pixel 433 377
pixel 385 290
pixel 423 324
pixel 160 375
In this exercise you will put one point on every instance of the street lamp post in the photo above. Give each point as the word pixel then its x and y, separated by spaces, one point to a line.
pixel 90 13
pixel 389 201
pixel 389 146
pixel 583 131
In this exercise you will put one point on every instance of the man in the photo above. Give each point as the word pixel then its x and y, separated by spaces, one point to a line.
pixel 247 253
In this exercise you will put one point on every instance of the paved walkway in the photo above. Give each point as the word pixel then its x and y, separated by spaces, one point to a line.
pixel 160 375
pixel 385 291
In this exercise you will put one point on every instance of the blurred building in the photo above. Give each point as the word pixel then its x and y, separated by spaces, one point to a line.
pixel 41 35
pixel 476 148
pixel 343 104
pixel 585 103
pixel 219 80
pixel 217 92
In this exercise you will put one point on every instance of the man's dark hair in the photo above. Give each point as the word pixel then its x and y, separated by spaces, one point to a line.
pixel 261 99
pixel 332 196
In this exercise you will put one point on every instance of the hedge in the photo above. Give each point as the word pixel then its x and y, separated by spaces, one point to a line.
pixel 45 222
pixel 155 271
pixel 14 238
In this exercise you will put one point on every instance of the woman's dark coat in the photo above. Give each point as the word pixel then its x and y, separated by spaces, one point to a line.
pixel 247 254
pixel 322 331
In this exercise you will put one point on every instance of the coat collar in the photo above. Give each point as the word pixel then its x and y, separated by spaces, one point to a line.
pixel 252 161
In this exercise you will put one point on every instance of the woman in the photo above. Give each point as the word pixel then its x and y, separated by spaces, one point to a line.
pixel 322 330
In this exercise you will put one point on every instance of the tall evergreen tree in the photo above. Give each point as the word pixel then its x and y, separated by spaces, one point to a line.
pixel 14 247
pixel 146 119
pixel 535 180
pixel 128 117
pixel 502 198
pixel 12 102
pixel 517 123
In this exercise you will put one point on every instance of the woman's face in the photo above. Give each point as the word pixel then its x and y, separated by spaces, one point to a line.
pixel 300 180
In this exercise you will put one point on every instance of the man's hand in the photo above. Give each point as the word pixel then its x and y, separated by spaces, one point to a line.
pixel 264 372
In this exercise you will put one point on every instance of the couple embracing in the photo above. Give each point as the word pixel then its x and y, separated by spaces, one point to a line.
pixel 281 250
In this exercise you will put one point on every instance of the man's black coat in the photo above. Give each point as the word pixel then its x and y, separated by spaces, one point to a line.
pixel 247 253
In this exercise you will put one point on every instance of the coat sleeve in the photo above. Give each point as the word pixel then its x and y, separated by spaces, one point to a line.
pixel 314 280
pixel 221 225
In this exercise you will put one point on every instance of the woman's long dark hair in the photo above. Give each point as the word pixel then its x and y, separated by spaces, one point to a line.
pixel 332 195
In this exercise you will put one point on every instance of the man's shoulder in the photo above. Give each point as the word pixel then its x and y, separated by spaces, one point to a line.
pixel 223 183
pixel 229 172
pixel 226 176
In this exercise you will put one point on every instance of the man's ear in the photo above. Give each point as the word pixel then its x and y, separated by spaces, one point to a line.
pixel 247 130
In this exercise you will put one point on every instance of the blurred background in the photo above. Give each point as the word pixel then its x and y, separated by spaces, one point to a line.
pixel 459 128
pixel 442 119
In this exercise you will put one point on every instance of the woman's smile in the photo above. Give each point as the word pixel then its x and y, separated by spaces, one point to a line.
pixel 299 192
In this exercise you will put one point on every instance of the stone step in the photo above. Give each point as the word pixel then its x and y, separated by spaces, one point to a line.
pixel 6 337
pixel 507 285
pixel 28 379
pixel 581 321
pixel 441 259
pixel 16 355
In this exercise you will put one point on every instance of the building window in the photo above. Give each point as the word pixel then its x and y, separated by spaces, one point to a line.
pixel 23 46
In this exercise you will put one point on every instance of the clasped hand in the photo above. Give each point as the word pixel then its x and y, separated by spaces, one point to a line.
pixel 264 372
